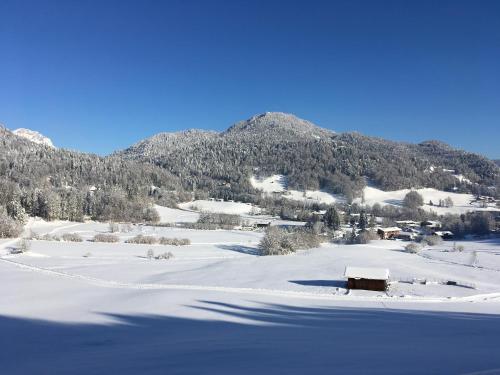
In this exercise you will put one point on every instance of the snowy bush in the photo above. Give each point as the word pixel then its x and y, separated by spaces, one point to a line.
pixel 33 235
pixel 103 237
pixel 413 200
pixel 127 227
pixel 278 241
pixel 432 240
pixel 141 239
pixel 50 237
pixel 23 246
pixel 72 237
pixel 412 248
pixel 167 255
pixel 113 227
pixel 151 215
pixel 304 239
pixel 223 220
pixel 9 228
pixel 174 241
pixel 365 237
pixel 150 254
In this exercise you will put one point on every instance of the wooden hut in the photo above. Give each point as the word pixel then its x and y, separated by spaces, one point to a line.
pixel 367 278
pixel 388 233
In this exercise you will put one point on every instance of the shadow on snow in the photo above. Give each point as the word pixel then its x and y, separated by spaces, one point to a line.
pixel 265 339
pixel 329 283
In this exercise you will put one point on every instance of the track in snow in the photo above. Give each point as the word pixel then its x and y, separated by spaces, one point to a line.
pixel 258 291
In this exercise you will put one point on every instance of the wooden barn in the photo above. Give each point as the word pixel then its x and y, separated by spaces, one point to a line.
pixel 262 224
pixel 367 278
pixel 388 233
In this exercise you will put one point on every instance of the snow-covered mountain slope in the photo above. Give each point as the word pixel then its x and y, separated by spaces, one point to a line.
pixel 462 203
pixel 277 185
pixel 311 157
pixel 33 136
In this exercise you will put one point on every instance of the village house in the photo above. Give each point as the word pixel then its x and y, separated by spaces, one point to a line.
pixel 388 233
pixel 408 224
pixel 367 278
pixel 444 234
pixel 431 224
pixel 407 236
pixel 262 224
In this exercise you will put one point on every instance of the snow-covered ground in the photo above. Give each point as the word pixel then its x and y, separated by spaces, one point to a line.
pixel 461 202
pixel 236 208
pixel 277 184
pixel 170 215
pixel 217 307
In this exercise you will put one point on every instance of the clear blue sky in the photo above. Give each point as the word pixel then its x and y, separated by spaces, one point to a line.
pixel 100 75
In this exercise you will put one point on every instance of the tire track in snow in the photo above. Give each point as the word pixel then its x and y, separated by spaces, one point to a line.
pixel 258 291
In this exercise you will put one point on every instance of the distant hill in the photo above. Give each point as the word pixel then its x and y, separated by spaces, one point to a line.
pixel 311 157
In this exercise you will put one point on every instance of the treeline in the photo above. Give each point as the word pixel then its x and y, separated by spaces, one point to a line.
pixel 477 223
pixel 36 180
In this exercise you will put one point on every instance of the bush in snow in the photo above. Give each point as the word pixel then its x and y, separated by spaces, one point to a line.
pixel 141 239
pixel 222 220
pixel 9 228
pixel 304 239
pixel 33 235
pixel 113 227
pixel 23 245
pixel 174 241
pixel 72 237
pixel 103 237
pixel 412 248
pixel 150 254
pixel 365 237
pixel 167 255
pixel 127 227
pixel 432 240
pixel 413 200
pixel 150 215
pixel 278 241
pixel 50 237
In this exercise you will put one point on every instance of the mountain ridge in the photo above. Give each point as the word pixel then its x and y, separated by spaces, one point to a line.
pixel 33 136
pixel 312 157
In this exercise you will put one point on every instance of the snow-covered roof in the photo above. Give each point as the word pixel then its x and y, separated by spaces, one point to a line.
pixel 443 233
pixel 366 273
pixel 390 229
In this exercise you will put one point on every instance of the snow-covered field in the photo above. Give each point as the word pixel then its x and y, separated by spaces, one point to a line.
pixel 217 307
pixel 461 202
pixel 236 208
pixel 277 184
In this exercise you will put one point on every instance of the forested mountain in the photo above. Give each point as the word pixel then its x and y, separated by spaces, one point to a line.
pixel 37 179
pixel 311 157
